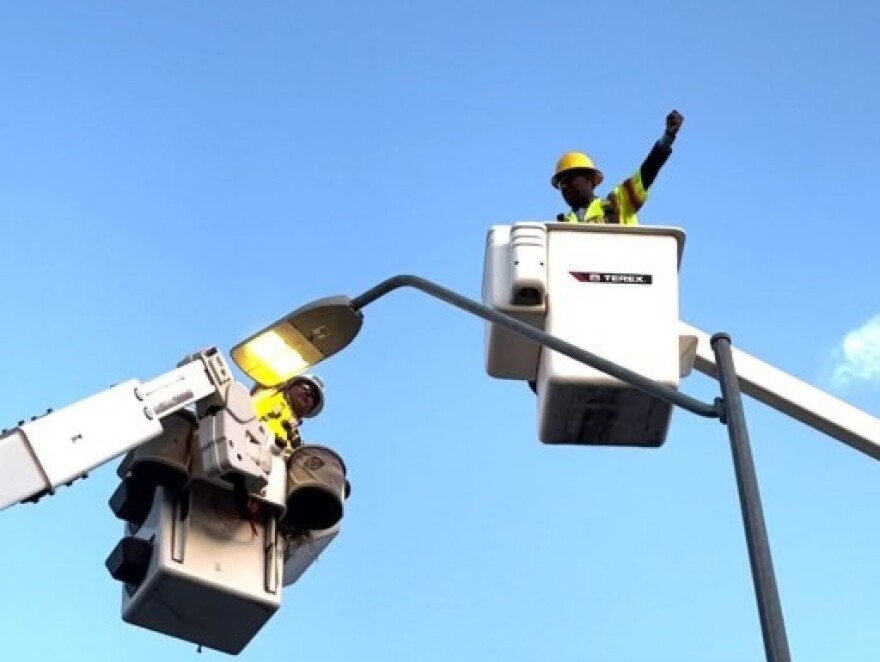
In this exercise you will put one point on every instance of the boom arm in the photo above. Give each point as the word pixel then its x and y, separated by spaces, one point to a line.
pixel 40 455
pixel 792 397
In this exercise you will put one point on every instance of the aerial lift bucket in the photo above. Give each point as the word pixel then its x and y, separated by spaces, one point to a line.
pixel 611 290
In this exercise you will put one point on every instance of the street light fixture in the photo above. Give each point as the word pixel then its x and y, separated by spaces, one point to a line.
pixel 298 340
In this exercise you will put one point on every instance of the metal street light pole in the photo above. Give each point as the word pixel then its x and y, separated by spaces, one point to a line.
pixel 729 409
pixel 324 327
pixel 761 561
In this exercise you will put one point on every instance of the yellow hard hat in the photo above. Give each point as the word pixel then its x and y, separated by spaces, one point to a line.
pixel 575 161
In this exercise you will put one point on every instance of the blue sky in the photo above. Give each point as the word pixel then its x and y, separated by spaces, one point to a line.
pixel 174 176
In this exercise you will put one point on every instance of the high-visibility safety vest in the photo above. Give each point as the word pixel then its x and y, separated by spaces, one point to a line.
pixel 620 206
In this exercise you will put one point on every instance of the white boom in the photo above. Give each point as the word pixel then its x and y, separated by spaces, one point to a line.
pixel 42 454
pixel 792 396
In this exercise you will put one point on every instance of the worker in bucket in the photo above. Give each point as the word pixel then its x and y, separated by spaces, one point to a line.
pixel 577 177
pixel 284 407
pixel 305 393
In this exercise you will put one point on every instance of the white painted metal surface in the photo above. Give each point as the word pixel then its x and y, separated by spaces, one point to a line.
pixel 59 447
pixel 793 397
pixel 516 261
pixel 613 291
pixel 43 454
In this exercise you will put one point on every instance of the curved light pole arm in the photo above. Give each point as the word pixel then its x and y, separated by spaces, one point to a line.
pixel 640 382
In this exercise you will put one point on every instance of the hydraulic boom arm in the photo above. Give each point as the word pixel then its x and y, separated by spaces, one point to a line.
pixel 46 452
pixel 793 397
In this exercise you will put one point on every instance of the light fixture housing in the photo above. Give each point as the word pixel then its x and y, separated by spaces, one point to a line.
pixel 297 341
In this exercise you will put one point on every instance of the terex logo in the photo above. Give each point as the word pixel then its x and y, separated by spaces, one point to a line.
pixel 620 279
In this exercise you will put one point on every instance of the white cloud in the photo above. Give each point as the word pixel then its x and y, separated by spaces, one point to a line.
pixel 857 359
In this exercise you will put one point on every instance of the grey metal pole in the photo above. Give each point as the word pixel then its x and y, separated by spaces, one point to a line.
pixel 729 409
pixel 763 576
pixel 641 382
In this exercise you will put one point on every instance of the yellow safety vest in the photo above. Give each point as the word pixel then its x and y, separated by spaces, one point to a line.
pixel 624 201
pixel 274 411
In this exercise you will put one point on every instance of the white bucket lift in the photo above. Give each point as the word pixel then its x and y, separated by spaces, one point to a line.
pixel 611 290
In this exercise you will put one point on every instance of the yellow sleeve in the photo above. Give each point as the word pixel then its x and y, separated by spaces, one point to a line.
pixel 273 409
pixel 629 196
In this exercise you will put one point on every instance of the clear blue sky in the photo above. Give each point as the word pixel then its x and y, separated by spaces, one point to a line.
pixel 174 175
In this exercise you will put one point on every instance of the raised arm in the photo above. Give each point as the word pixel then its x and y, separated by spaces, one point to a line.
pixel 661 149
